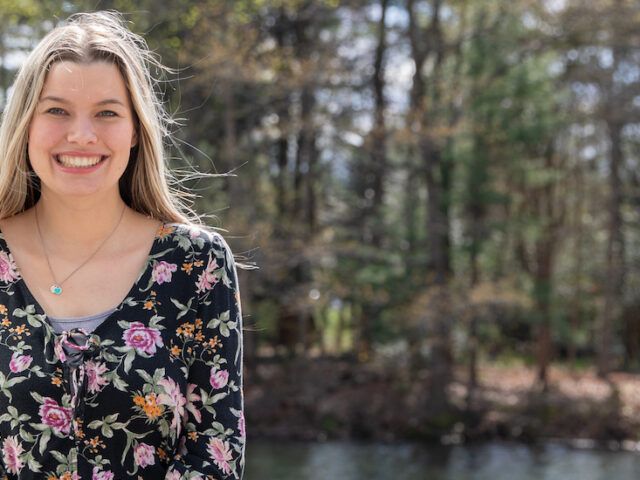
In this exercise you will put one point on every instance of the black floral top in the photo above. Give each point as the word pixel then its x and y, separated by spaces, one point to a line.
pixel 153 393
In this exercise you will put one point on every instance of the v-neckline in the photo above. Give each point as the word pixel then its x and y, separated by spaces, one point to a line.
pixel 31 299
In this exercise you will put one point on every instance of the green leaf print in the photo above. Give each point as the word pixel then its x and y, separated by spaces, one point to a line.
pixel 120 384
pixel 129 360
pixel 34 466
pixel 14 381
pixel 61 458
pixel 223 324
pixel 106 431
pixel 44 440
pixel 26 436
pixel 184 309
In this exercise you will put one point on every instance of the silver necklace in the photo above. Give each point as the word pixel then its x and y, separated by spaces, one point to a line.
pixel 56 288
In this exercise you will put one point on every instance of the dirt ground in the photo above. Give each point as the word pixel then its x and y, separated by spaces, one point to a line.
pixel 333 399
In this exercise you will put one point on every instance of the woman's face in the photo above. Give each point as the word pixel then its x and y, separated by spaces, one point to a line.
pixel 82 130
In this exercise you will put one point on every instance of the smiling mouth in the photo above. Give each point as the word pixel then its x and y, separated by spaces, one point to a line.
pixel 79 162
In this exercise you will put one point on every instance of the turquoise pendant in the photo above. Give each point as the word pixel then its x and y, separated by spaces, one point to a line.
pixel 55 289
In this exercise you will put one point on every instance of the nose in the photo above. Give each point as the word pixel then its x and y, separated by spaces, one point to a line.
pixel 82 131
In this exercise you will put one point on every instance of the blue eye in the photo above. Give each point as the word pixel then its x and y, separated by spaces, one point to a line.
pixel 107 113
pixel 56 111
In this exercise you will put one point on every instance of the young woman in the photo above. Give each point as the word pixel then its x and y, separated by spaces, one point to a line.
pixel 120 323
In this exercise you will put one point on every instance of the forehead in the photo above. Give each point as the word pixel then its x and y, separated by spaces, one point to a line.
pixel 94 81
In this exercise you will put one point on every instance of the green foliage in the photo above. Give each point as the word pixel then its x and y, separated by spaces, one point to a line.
pixel 281 94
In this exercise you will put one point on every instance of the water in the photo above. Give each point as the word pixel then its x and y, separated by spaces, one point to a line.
pixel 494 461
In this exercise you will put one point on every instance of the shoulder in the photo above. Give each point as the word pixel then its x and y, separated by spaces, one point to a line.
pixel 196 241
pixel 204 255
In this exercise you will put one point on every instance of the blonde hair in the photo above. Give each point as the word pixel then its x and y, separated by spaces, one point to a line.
pixel 84 38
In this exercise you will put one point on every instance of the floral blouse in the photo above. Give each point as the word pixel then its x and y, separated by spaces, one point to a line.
pixel 153 393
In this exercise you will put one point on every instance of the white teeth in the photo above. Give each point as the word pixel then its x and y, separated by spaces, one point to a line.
pixel 78 162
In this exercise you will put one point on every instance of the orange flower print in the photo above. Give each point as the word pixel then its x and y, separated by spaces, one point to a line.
pixel 214 343
pixel 187 267
pixel 149 405
pixel 162 454
pixel 151 408
pixel 185 329
pixel 3 309
pixel 94 442
pixel 148 305
pixel 164 231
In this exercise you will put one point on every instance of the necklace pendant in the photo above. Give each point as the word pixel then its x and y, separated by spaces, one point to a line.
pixel 55 289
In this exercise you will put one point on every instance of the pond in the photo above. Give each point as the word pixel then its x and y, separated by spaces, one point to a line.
pixel 493 461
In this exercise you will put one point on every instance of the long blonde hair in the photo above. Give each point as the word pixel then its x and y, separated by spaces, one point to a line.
pixel 84 38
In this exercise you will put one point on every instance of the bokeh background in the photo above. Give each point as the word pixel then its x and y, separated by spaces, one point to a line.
pixel 436 202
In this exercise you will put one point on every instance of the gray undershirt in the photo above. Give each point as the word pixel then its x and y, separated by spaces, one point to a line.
pixel 89 323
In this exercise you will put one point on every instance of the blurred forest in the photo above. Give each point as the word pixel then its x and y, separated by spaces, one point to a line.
pixel 428 188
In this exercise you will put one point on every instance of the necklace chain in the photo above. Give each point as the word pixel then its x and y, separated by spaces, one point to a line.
pixel 56 288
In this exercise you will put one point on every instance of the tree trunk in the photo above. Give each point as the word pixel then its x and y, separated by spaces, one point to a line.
pixel 550 210
pixel 577 298
pixel 437 227
pixel 615 252
pixel 282 147
pixel 303 152
pixel 378 135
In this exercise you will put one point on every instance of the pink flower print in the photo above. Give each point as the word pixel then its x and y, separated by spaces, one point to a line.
pixel 102 475
pixel 218 378
pixel 220 454
pixel 8 270
pixel 11 451
pixel 193 397
pixel 143 339
pixel 162 272
pixel 207 279
pixel 143 455
pixel 55 416
pixel 70 476
pixel 19 362
pixel 174 399
pixel 241 428
pixel 60 351
pixel 173 475
pixel 94 375
pixel 194 232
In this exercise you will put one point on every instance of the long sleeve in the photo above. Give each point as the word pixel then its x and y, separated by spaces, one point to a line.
pixel 213 436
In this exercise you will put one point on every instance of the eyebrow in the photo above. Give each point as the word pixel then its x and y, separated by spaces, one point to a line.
pixel 107 101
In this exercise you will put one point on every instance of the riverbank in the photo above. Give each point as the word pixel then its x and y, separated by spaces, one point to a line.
pixel 323 399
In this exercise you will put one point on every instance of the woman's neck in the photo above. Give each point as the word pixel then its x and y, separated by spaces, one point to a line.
pixel 76 224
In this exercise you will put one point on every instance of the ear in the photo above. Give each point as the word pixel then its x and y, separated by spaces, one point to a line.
pixel 134 138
